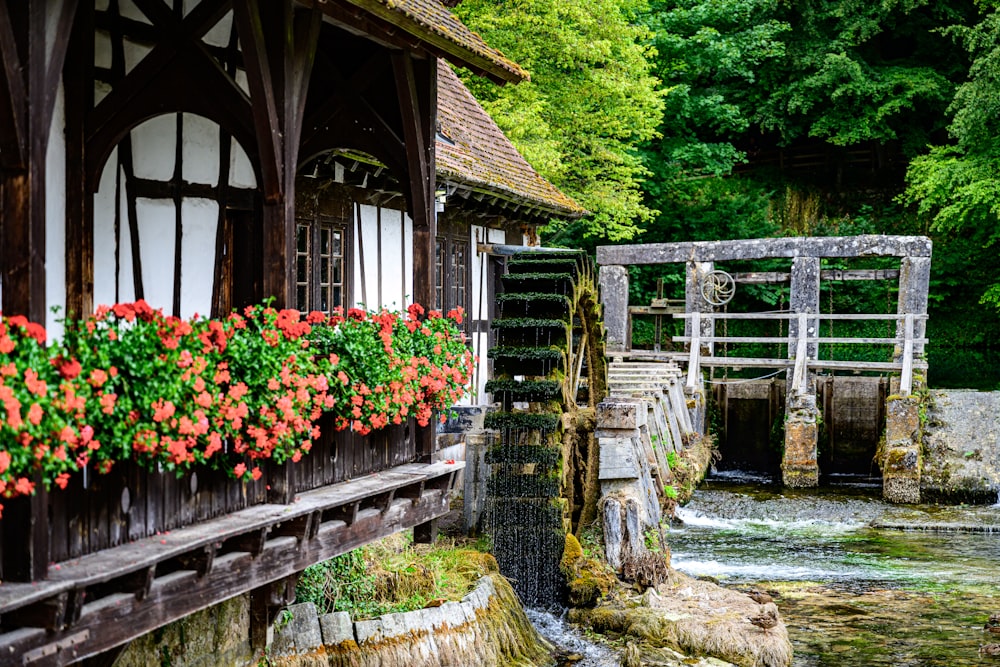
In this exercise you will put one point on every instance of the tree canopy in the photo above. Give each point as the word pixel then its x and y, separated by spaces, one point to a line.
pixel 592 99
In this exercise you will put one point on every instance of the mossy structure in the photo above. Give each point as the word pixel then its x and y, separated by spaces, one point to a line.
pixel 548 365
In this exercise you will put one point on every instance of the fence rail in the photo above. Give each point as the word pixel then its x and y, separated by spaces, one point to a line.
pixel 803 348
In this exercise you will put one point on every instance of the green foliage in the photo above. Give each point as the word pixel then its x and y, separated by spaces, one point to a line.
pixel 590 100
pixel 392 575
pixel 342 583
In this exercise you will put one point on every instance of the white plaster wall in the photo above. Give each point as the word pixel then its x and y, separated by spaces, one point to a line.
pixel 102 49
pixel 219 34
pixel 154 144
pixel 391 261
pixel 104 234
pixel 482 307
pixel 153 148
pixel 129 10
pixel 55 219
pixel 199 160
pixel 240 168
pixel 366 236
pixel 156 251
pixel 134 53
pixel 408 260
pixel 198 255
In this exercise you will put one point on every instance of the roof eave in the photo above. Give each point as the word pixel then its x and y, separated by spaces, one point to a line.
pixel 541 208
pixel 452 51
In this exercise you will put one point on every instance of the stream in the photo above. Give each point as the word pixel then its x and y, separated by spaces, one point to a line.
pixel 858 582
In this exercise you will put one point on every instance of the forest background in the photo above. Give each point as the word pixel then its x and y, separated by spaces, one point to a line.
pixel 720 119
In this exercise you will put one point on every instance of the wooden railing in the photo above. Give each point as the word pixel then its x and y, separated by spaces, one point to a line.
pixel 97 512
pixel 803 348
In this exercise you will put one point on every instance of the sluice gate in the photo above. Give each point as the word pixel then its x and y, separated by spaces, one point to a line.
pixel 811 345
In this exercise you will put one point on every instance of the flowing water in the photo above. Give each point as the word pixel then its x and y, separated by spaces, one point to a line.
pixel 858 582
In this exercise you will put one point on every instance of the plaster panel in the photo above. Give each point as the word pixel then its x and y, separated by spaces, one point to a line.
pixel 241 81
pixel 134 53
pixel 104 234
pixel 478 305
pixel 101 91
pixel 153 147
pixel 125 276
pixel 129 10
pixel 156 249
pixel 200 218
pixel 391 260
pixel 366 261
pixel 241 173
pixel 219 34
pixel 55 219
pixel 408 261
pixel 102 49
pixel 200 150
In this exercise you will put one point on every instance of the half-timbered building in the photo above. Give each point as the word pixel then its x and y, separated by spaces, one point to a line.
pixel 204 155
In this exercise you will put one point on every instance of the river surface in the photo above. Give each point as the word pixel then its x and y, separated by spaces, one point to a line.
pixel 854 587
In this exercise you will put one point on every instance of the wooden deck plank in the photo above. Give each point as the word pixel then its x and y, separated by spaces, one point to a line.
pixel 117 618
pixel 114 563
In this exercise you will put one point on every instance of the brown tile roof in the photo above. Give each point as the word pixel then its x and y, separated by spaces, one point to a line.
pixel 432 23
pixel 476 154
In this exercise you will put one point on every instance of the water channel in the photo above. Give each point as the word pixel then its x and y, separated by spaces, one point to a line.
pixel 858 582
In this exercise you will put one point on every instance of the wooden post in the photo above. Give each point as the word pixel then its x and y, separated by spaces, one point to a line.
pixel 694 302
pixel 694 351
pixel 906 376
pixel 914 280
pixel 804 300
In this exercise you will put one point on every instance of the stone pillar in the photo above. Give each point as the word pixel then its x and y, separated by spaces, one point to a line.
pixel 901 460
pixel 799 467
pixel 613 282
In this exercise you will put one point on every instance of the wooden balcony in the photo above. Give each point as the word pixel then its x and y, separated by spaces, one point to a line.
pixel 134 550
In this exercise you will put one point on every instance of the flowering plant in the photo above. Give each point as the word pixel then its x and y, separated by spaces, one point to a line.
pixel 384 367
pixel 130 383
pixel 37 431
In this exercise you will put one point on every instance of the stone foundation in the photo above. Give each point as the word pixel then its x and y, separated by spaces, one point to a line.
pixel 901 456
pixel 487 628
pixel 799 468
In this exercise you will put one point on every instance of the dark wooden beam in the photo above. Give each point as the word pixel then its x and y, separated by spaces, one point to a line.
pixel 13 95
pixel 417 107
pixel 279 46
pixel 118 618
pixel 78 73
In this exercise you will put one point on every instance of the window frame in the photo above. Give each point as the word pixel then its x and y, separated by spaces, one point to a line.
pixel 314 226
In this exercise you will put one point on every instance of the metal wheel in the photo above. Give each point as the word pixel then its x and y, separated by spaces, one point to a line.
pixel 718 288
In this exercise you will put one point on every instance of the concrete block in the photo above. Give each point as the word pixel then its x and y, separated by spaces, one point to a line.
pixel 621 414
pixel 300 634
pixel 336 628
pixel 902 419
pixel 799 468
pixel 617 459
pixel 453 614
pixel 367 631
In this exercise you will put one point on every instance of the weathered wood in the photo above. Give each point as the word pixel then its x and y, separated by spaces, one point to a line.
pixel 777 277
pixel 761 362
pixel 788 315
pixel 784 339
pixel 25 545
pixel 865 245
pixel 117 618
